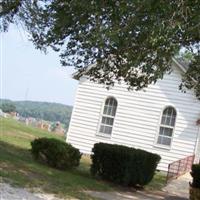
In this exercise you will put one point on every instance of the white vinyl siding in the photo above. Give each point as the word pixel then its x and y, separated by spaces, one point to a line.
pixel 138 117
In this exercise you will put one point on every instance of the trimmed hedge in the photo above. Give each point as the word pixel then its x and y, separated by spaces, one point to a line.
pixel 55 153
pixel 123 165
pixel 196 176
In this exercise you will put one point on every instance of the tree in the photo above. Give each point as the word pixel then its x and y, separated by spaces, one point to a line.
pixel 8 10
pixel 132 41
pixel 8 107
pixel 191 79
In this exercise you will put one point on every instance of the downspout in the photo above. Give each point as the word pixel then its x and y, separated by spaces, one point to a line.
pixel 197 144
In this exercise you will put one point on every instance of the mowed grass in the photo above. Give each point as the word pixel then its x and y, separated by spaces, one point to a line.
pixel 19 168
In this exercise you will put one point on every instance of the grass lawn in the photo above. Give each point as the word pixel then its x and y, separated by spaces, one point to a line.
pixel 18 167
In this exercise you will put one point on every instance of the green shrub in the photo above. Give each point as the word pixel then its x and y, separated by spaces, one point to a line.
pixel 123 165
pixel 55 153
pixel 196 176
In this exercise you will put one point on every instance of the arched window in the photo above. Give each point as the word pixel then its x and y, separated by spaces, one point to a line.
pixel 108 116
pixel 167 125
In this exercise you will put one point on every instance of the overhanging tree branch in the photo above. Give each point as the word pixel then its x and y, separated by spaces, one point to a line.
pixel 145 33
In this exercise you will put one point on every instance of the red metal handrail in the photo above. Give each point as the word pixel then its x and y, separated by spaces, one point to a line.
pixel 179 167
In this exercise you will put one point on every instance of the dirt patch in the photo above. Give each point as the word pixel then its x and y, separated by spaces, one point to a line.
pixel 7 192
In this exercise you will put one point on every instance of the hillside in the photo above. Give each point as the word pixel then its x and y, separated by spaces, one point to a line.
pixel 18 167
pixel 42 110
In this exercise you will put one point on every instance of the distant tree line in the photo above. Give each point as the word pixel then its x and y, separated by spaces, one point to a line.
pixel 41 110
pixel 8 107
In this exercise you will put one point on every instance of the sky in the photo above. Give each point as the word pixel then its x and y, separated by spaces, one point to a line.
pixel 28 74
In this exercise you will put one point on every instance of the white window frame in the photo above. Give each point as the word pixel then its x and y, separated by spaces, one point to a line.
pixel 156 144
pixel 104 115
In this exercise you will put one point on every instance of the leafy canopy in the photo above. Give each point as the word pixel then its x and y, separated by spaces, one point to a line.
pixel 132 41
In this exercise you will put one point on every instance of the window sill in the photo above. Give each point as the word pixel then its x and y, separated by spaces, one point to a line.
pixel 162 147
pixel 103 135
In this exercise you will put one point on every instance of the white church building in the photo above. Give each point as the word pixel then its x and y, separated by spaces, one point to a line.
pixel 159 119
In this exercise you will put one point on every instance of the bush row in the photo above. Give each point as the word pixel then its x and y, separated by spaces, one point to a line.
pixel 196 176
pixel 55 153
pixel 123 165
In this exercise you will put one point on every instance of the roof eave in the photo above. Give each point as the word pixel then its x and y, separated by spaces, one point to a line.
pixel 179 65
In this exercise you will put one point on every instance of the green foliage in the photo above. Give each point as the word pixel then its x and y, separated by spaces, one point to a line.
pixel 186 55
pixel 19 168
pixel 132 41
pixel 8 10
pixel 53 126
pixel 191 78
pixel 123 165
pixel 43 110
pixel 196 176
pixel 55 153
pixel 8 107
